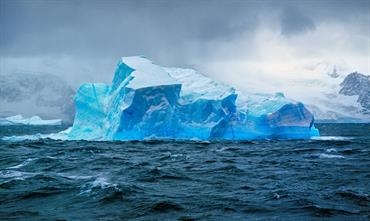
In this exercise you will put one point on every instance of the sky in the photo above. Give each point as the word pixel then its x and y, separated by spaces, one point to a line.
pixel 252 45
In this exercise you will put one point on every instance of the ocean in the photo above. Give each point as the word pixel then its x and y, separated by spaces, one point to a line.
pixel 327 178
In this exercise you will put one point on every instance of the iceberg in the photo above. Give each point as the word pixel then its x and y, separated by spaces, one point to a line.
pixel 147 101
pixel 35 120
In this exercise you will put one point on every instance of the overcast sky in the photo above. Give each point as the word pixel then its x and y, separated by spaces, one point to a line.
pixel 230 40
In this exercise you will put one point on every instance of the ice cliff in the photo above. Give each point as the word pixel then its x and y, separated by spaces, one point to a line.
pixel 147 101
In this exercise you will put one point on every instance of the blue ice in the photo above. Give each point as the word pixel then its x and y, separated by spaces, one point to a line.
pixel 147 101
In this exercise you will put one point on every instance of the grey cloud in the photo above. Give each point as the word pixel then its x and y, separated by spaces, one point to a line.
pixel 110 27
pixel 294 22
pixel 171 32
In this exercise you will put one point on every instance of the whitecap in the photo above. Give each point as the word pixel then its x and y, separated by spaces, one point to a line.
pixel 331 150
pixel 22 137
pixel 221 149
pixel 54 136
pixel 24 163
pixel 100 183
pixel 17 175
pixel 74 177
pixel 62 135
pixel 177 155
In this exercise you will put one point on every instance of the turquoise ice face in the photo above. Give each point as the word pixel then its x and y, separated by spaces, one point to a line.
pixel 147 101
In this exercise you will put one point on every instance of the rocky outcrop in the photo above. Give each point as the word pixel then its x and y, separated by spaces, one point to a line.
pixel 357 84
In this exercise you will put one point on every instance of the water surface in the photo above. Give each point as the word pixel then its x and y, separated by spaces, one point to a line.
pixel 326 178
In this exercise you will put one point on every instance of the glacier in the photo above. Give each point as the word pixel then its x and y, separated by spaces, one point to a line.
pixel 146 101
pixel 34 120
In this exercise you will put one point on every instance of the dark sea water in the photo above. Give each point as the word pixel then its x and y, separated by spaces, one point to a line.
pixel 327 179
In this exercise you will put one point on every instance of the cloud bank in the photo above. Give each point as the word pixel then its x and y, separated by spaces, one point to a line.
pixel 253 45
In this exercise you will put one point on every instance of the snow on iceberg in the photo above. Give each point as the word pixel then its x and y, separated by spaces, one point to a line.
pixel 20 120
pixel 147 101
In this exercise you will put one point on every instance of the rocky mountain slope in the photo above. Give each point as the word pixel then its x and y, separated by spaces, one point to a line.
pixel 356 84
pixel 342 98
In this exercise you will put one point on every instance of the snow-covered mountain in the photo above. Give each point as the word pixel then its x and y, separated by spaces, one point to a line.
pixel 29 94
pixel 343 98
pixel 356 84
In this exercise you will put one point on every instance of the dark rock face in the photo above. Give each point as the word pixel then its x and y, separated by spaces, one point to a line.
pixel 364 100
pixel 45 95
pixel 357 84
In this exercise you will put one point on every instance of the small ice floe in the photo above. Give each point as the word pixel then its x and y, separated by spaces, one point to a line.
pixel 35 120
pixel 334 138
pixel 324 155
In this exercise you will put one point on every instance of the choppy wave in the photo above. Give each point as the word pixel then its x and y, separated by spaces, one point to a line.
pixel 48 179
pixel 53 136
